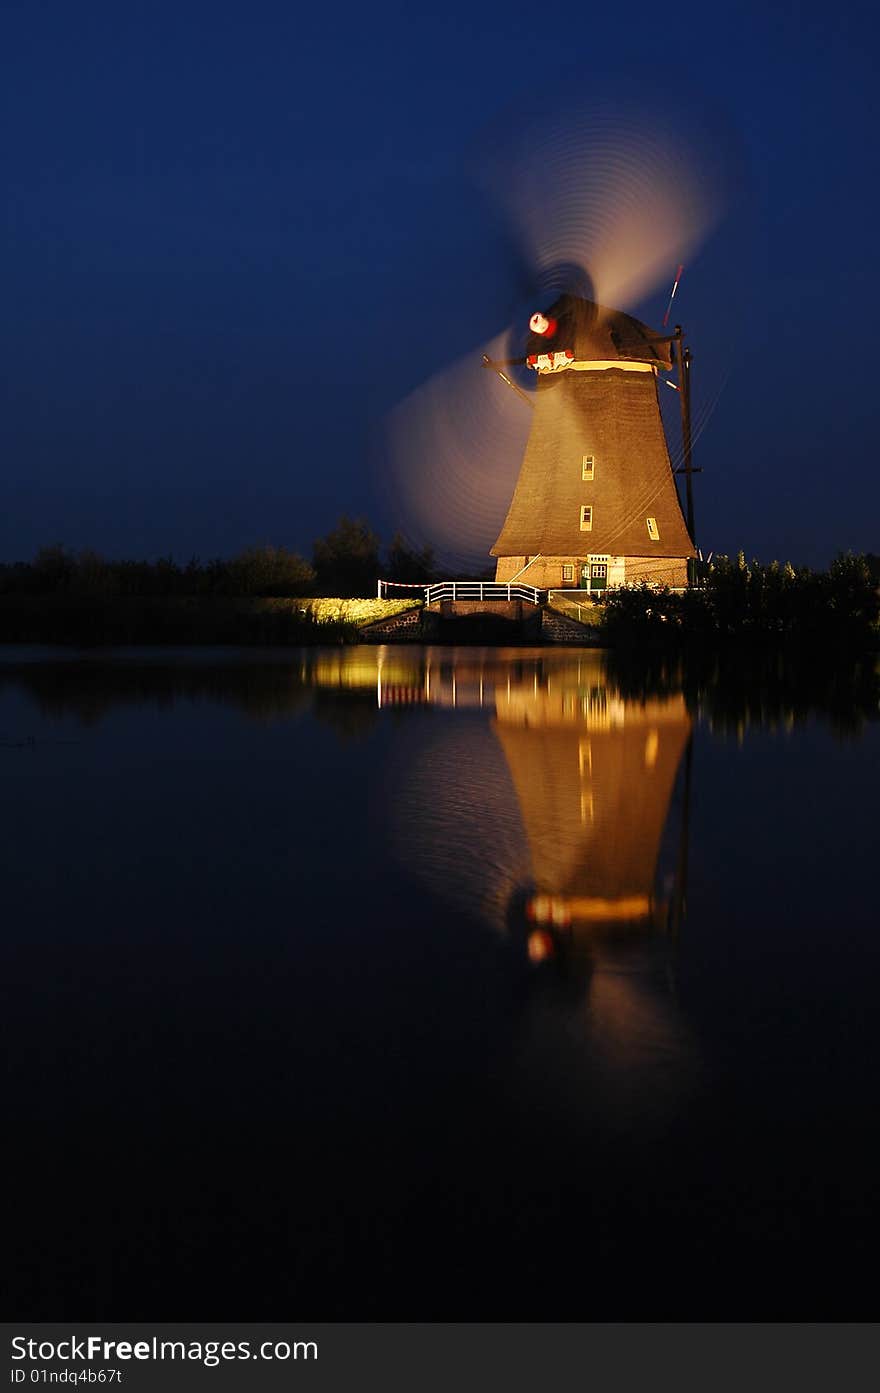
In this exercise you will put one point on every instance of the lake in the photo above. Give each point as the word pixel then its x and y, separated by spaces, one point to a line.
pixel 434 984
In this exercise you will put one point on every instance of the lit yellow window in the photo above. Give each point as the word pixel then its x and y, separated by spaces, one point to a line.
pixel 653 530
pixel 588 468
pixel 586 518
pixel 568 573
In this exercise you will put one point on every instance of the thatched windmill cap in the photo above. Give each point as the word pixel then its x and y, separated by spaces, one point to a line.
pixel 595 333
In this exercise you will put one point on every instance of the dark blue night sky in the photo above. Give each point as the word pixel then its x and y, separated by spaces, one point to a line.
pixel 236 234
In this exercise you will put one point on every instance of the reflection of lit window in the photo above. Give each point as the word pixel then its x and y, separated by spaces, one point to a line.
pixel 586 518
pixel 652 744
pixel 568 573
pixel 653 530
pixel 585 757
pixel 587 810
pixel 588 468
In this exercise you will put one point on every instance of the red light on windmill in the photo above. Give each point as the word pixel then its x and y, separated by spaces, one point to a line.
pixel 540 946
pixel 540 324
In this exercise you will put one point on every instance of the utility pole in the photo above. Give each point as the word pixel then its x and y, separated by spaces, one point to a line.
pixel 684 392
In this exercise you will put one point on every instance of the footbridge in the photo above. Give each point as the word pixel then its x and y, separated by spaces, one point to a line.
pixel 483 611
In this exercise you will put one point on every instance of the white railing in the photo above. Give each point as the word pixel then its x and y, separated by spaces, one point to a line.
pixel 482 590
pixel 385 587
pixel 466 590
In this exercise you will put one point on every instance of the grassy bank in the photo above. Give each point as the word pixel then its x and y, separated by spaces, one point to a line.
pixel 577 605
pixel 87 621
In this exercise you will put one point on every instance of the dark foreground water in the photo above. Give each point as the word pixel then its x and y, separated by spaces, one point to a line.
pixel 424 984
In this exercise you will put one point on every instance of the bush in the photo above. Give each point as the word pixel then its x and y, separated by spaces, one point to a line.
pixel 750 601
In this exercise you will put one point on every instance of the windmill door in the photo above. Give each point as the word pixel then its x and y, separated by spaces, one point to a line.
pixel 594 575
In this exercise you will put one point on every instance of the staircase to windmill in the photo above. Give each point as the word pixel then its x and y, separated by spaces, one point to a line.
pixel 462 618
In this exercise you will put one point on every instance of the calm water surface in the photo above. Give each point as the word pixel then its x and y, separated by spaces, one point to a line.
pixel 422 984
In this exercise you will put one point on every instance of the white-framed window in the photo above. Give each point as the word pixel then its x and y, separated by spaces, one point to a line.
pixel 653 529
pixel 567 573
pixel 587 518
pixel 588 468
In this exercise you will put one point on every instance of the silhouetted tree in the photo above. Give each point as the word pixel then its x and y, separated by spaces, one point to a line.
pixel 270 570
pixel 53 569
pixel 92 575
pixel 347 559
pixel 407 564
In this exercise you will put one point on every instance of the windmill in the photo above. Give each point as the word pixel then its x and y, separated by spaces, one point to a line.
pixel 601 202
pixel 595 503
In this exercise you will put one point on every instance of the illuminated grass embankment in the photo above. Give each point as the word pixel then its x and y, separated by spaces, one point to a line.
pixel 87 621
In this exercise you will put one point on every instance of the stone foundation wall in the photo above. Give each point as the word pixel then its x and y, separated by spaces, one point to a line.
pixel 546 572
pixel 662 570
pixel 507 566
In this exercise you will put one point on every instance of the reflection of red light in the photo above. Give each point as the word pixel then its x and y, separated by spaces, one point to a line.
pixel 540 946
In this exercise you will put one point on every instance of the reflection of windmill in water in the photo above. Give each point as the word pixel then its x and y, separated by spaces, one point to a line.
pixel 603 898
pixel 594 777
pixel 574 846
pixel 590 775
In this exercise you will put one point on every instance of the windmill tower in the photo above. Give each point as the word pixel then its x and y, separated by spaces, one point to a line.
pixel 595 504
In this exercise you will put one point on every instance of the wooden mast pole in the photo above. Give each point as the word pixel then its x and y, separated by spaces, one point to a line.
pixel 684 392
pixel 506 362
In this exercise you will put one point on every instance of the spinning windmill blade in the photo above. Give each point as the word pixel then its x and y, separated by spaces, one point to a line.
pixel 602 197
pixel 455 446
pixel 604 193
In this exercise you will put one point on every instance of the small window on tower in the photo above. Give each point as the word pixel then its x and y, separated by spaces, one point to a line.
pixel 586 518
pixel 653 530
pixel 568 573
pixel 588 468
